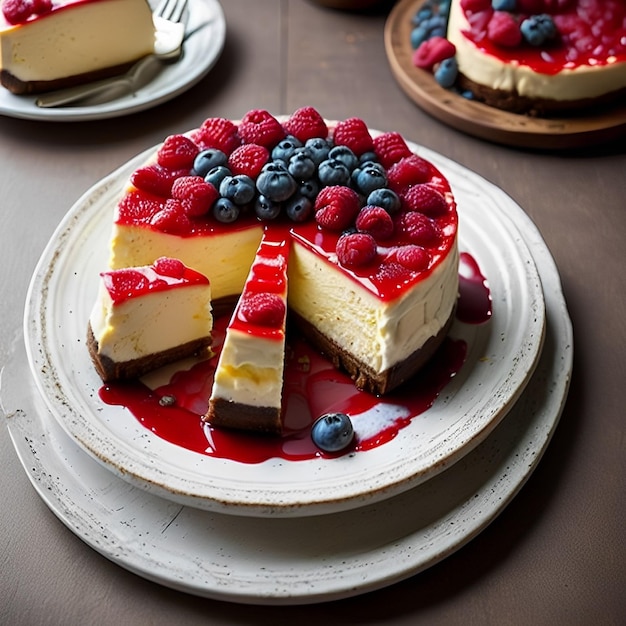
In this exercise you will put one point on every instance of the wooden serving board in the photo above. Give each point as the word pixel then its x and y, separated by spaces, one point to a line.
pixel 480 120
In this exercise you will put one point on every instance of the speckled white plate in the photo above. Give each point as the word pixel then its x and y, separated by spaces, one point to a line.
pixel 305 560
pixel 201 51
pixel 502 355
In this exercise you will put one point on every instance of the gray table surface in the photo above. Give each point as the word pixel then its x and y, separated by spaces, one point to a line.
pixel 556 554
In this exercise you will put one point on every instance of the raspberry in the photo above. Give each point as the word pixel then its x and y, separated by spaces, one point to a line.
pixel 171 218
pixel 218 132
pixel 425 199
pixel 264 309
pixel 419 229
pixel 354 134
pixel 169 267
pixel 126 282
pixel 262 128
pixel 503 30
pixel 390 148
pixel 336 206
pixel 356 249
pixel 196 196
pixel 306 123
pixel 431 51
pixel 473 6
pixel 375 221
pixel 177 152
pixel 248 159
pixel 18 11
pixel 156 179
pixel 408 171
pixel 413 257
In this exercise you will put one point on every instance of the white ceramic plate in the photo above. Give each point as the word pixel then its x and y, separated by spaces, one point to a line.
pixel 201 51
pixel 294 561
pixel 501 357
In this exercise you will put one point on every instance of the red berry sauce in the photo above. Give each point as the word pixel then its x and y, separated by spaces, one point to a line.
pixel 312 387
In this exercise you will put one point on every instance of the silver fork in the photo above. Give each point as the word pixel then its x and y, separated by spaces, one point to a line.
pixel 170 33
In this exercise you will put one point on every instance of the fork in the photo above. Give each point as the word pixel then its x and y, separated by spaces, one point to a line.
pixel 168 47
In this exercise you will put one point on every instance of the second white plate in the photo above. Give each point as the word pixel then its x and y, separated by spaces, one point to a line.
pixel 501 357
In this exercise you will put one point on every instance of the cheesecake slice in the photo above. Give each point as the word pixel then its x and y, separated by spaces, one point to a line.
pixel 248 383
pixel 146 317
pixel 49 45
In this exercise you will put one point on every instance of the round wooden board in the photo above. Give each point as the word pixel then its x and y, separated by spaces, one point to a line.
pixel 483 121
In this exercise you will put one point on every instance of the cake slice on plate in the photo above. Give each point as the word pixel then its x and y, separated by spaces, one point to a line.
pixel 146 317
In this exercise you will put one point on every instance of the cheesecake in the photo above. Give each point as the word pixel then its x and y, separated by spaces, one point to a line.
pixel 541 57
pixel 248 380
pixel 49 45
pixel 147 317
pixel 361 229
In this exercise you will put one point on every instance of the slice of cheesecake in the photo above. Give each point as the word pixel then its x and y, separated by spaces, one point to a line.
pixel 247 389
pixel 146 317
pixel 49 45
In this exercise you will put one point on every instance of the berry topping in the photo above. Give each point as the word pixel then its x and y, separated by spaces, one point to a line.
pixel 375 221
pixel 332 432
pixel 354 134
pixel 306 123
pixel 218 132
pixel 262 128
pixel 169 267
pixel 333 172
pixel 369 176
pixel 537 29
pixel 419 229
pixel 390 148
pixel 196 196
pixel 474 6
pixel 225 211
pixel 410 170
pixel 239 189
pixel 356 249
pixel 336 207
pixel 275 182
pixel 248 159
pixel 504 30
pixel 413 257
pixel 385 198
pixel 264 309
pixel 18 11
pixel 171 218
pixel 177 152
pixel 286 148
pixel 207 159
pixel 425 199
pixel 431 51
pixel 155 179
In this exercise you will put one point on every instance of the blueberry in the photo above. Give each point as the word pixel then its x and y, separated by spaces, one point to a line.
pixel 333 172
pixel 345 155
pixel 368 156
pixel 266 209
pixel 207 159
pixel 503 5
pixel 419 35
pixel 284 149
pixel 240 189
pixel 537 29
pixel 309 188
pixel 318 149
pixel 225 210
pixel 299 208
pixel 216 175
pixel 275 182
pixel 446 73
pixel 332 432
pixel 370 176
pixel 385 198
pixel 301 166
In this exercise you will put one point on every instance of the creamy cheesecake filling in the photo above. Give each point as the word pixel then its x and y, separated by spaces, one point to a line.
pixel 151 323
pixel 578 83
pixel 377 333
pixel 77 37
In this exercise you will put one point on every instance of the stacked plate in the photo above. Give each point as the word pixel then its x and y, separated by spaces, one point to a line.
pixel 288 532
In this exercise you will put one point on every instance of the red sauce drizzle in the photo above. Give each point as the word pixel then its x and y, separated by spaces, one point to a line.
pixel 312 387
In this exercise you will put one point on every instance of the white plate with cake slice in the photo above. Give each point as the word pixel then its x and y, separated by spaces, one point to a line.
pixel 302 560
pixel 500 359
pixel 206 34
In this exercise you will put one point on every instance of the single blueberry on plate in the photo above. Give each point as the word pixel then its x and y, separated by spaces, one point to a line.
pixel 332 432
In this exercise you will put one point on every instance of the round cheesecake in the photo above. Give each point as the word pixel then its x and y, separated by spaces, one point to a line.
pixel 49 45
pixel 540 56
pixel 359 232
